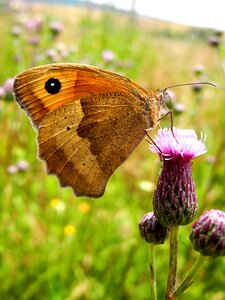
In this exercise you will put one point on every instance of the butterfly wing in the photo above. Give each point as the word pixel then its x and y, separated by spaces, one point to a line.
pixel 75 80
pixel 88 128
pixel 84 151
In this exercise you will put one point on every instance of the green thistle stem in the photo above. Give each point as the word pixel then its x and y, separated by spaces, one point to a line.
pixel 189 279
pixel 172 262
pixel 152 272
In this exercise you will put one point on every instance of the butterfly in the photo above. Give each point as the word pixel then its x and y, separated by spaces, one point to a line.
pixel 88 121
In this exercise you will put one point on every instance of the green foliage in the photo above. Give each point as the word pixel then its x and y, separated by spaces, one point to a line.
pixel 100 254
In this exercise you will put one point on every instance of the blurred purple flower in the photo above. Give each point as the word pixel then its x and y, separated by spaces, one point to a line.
pixel 170 99
pixel 34 40
pixel 52 55
pixel 197 87
pixel 214 41
pixel 33 24
pixel 62 50
pixel 172 95
pixel 198 70
pixel 108 55
pixel 8 85
pixel 12 169
pixel 16 30
pixel 22 165
pixel 56 27
pixel 179 108
pixel 2 92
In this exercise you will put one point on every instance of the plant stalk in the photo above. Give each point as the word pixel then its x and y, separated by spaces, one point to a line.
pixel 152 272
pixel 171 282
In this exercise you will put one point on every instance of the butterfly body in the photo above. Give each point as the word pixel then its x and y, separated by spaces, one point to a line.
pixel 88 121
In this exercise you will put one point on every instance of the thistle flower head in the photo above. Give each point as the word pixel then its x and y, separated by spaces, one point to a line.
pixel 175 200
pixel 208 233
pixel 178 143
pixel 108 55
pixel 151 230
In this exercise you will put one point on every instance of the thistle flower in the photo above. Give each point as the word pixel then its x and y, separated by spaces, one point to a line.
pixel 108 55
pixel 197 87
pixel 52 55
pixel 198 70
pixel 2 92
pixel 175 200
pixel 12 169
pixel 151 230
pixel 56 27
pixel 8 85
pixel 208 233
pixel 34 40
pixel 179 108
pixel 214 41
pixel 33 24
pixel 16 30
pixel 22 165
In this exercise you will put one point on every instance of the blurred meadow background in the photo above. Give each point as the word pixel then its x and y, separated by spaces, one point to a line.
pixel 55 246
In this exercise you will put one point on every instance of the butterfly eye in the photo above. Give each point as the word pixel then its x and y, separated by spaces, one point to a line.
pixel 53 86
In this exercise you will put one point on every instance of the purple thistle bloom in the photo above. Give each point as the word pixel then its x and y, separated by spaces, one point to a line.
pixel 2 92
pixel 108 55
pixel 208 233
pixel 198 70
pixel 151 230
pixel 197 87
pixel 56 27
pixel 178 144
pixel 175 200
pixel 16 30
pixel 33 24
pixel 214 41
pixel 12 169
pixel 22 165
pixel 34 40
pixel 179 108
pixel 8 85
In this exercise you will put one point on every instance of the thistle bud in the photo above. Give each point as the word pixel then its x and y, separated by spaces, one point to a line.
pixel 208 233
pixel 175 201
pixel 151 230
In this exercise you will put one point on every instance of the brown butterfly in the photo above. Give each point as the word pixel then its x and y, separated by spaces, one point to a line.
pixel 88 121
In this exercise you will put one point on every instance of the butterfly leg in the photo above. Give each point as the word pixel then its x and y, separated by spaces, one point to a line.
pixel 169 113
pixel 150 140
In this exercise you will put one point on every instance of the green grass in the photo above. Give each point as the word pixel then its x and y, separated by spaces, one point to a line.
pixel 105 258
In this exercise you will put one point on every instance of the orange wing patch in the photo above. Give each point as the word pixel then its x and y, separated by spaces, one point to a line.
pixel 76 81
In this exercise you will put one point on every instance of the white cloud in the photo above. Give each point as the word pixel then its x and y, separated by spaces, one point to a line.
pixel 193 12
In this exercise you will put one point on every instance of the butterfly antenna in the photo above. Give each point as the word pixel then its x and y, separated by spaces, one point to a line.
pixel 190 83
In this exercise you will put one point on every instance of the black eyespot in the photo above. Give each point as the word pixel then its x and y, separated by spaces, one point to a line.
pixel 53 86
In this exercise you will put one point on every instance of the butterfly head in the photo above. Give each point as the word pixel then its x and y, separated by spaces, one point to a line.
pixel 162 97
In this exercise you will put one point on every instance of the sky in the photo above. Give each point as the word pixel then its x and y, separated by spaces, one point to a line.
pixel 203 13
